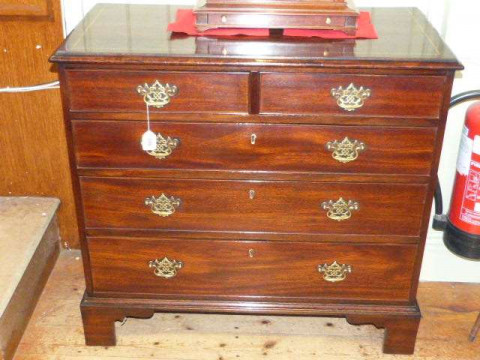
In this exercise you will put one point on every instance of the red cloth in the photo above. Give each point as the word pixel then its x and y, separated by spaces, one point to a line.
pixel 185 23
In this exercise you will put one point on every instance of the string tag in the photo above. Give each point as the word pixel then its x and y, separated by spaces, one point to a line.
pixel 149 139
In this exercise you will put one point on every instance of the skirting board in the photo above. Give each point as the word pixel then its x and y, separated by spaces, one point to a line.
pixel 439 264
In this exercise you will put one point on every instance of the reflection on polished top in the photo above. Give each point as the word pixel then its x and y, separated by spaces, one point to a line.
pixel 139 32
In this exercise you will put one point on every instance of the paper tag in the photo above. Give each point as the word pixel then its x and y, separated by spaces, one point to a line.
pixel 149 141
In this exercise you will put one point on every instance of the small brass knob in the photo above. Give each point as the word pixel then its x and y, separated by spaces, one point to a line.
pixel 224 19
pixel 328 21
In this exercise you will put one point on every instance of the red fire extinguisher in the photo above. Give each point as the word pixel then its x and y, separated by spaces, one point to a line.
pixel 462 225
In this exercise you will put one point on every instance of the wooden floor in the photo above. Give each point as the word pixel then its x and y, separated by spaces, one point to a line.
pixel 55 331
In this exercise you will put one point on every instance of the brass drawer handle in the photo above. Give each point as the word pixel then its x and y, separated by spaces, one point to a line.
pixel 165 147
pixel 157 95
pixel 334 272
pixel 163 206
pixel 340 210
pixel 351 98
pixel 165 267
pixel 346 150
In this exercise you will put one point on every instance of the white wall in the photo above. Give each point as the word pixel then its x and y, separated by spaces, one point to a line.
pixel 459 30
pixel 457 23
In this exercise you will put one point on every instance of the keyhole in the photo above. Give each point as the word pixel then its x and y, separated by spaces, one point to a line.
pixel 253 139
pixel 251 194
pixel 251 253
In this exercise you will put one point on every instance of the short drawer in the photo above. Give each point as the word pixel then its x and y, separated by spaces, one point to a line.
pixel 118 91
pixel 242 269
pixel 355 95
pixel 244 147
pixel 253 206
pixel 240 20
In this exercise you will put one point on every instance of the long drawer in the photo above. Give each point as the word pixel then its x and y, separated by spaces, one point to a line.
pixel 241 269
pixel 187 92
pixel 356 95
pixel 244 147
pixel 253 206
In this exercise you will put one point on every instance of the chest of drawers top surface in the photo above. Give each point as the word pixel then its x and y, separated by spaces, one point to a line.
pixel 138 33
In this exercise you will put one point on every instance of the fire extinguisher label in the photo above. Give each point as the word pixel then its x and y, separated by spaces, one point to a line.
pixel 465 153
pixel 470 212
pixel 476 145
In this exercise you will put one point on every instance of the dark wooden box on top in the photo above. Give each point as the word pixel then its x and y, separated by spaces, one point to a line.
pixel 277 14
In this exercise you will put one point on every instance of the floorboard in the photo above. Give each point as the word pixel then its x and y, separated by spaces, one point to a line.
pixel 55 331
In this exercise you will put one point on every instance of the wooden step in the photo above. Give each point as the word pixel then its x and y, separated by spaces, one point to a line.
pixel 29 247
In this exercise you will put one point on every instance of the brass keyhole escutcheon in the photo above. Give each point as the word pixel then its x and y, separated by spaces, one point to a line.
pixel 328 21
pixel 253 139
pixel 224 19
pixel 251 194
pixel 251 253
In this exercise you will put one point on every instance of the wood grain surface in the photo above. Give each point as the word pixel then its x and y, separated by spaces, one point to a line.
pixel 395 96
pixel 32 140
pixel 252 269
pixel 27 9
pixel 15 317
pixel 106 36
pixel 97 90
pixel 275 148
pixel 276 207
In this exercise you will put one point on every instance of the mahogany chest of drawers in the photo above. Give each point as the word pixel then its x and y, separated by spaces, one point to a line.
pixel 290 176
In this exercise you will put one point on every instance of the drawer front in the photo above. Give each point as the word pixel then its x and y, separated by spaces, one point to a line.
pixel 243 147
pixel 382 95
pixel 240 20
pixel 196 268
pixel 255 206
pixel 117 91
